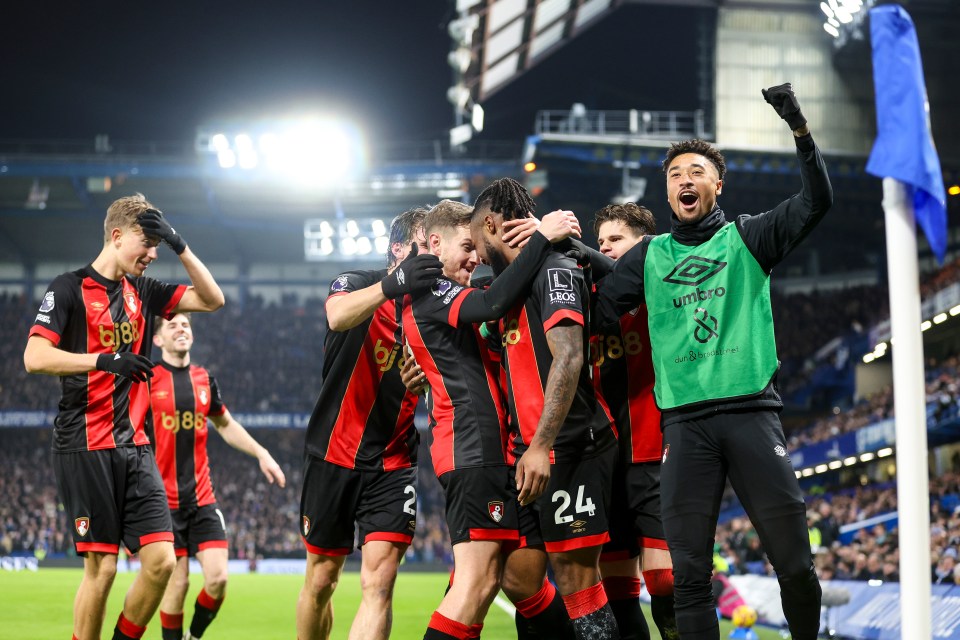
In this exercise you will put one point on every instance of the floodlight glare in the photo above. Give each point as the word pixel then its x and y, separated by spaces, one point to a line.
pixel 363 245
pixel 243 142
pixel 381 244
pixel 353 229
pixel 326 246
pixel 348 246
pixel 379 228
pixel 247 158
pixel 220 143
pixel 227 159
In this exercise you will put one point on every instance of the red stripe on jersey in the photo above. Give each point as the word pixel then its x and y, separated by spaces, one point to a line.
pixel 562 314
pixel 43 332
pixel 523 376
pixel 492 371
pixel 174 301
pixel 164 404
pixel 454 317
pixel 139 398
pixel 99 414
pixel 160 536
pixel 598 389
pixel 442 450
pixel 97 547
pixel 577 543
pixel 646 438
pixel 400 457
pixel 321 551
pixel 494 534
pixel 200 383
pixel 388 536
pixel 347 433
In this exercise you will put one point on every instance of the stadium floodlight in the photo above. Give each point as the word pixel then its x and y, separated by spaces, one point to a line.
pixel 883 453
pixel 806 473
pixel 849 462
pixel 364 246
pixel 939 318
pixel 835 464
pixel 926 324
pixel 352 228
pixel 227 159
pixel 348 246
pixel 326 246
pixel 955 311
pixel 381 244
pixel 840 12
pixel 379 228
pixel 476 118
pixel 820 468
pixel 868 358
pixel 219 142
pixel 867 457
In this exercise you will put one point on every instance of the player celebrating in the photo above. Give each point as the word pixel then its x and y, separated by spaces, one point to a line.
pixel 361 442
pixel 706 285
pixel 561 438
pixel 623 375
pixel 92 331
pixel 467 410
pixel 182 397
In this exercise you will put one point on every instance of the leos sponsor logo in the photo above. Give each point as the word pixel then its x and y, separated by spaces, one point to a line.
pixel 561 286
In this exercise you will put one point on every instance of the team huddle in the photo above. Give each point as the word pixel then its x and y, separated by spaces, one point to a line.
pixel 586 408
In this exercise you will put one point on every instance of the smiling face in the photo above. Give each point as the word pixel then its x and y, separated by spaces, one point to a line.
pixel 454 247
pixel 134 251
pixel 693 184
pixel 175 336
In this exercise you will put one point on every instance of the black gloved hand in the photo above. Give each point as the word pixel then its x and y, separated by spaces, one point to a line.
pixel 782 99
pixel 155 225
pixel 573 248
pixel 415 274
pixel 128 365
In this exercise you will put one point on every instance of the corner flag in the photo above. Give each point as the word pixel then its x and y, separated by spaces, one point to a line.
pixel 904 146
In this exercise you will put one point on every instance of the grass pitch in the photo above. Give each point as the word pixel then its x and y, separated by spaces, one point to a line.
pixel 39 606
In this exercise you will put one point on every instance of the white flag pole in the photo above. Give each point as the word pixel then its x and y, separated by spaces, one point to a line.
pixel 913 489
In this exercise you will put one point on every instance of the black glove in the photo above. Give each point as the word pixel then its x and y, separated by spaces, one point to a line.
pixel 415 274
pixel 155 225
pixel 128 365
pixel 782 99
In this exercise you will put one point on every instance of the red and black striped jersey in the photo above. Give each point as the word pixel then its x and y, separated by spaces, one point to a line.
pixel 623 377
pixel 84 312
pixel 181 400
pixel 559 293
pixel 465 402
pixel 363 418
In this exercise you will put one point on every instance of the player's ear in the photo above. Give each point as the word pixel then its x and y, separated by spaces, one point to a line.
pixel 157 341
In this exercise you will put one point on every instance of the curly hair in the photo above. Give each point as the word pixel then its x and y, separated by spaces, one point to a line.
pixel 701 147
pixel 507 197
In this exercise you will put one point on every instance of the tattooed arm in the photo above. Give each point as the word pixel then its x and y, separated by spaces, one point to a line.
pixel 533 468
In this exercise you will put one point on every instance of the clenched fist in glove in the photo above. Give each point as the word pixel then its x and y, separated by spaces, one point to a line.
pixel 782 99
pixel 154 225
pixel 128 365
pixel 415 274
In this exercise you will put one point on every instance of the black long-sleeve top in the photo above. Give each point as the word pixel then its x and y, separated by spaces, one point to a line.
pixel 769 236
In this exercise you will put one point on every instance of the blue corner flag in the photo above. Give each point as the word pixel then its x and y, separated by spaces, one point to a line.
pixel 904 147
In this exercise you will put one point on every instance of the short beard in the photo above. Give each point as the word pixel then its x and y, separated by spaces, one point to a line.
pixel 498 261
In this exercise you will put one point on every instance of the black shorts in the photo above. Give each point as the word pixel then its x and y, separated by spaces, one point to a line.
pixel 573 510
pixel 635 521
pixel 113 496
pixel 198 528
pixel 481 504
pixel 383 504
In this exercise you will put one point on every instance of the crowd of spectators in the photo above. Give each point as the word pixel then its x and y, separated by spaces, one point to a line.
pixel 262 519
pixel 869 552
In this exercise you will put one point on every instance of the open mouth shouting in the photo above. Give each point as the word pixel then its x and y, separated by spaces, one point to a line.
pixel 688 200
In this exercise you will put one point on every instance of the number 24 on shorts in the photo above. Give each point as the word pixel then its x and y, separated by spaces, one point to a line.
pixel 582 506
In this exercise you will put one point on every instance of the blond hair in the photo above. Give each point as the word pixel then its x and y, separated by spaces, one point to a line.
pixel 123 214
pixel 447 214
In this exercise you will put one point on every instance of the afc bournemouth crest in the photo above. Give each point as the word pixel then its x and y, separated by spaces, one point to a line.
pixel 666 450
pixel 131 301
pixel 204 396
pixel 82 525
pixel 306 525
pixel 495 508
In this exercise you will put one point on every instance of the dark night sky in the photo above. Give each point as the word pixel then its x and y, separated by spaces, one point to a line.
pixel 155 71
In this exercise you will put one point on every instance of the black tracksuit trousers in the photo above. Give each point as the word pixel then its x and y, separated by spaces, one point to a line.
pixel 748 447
